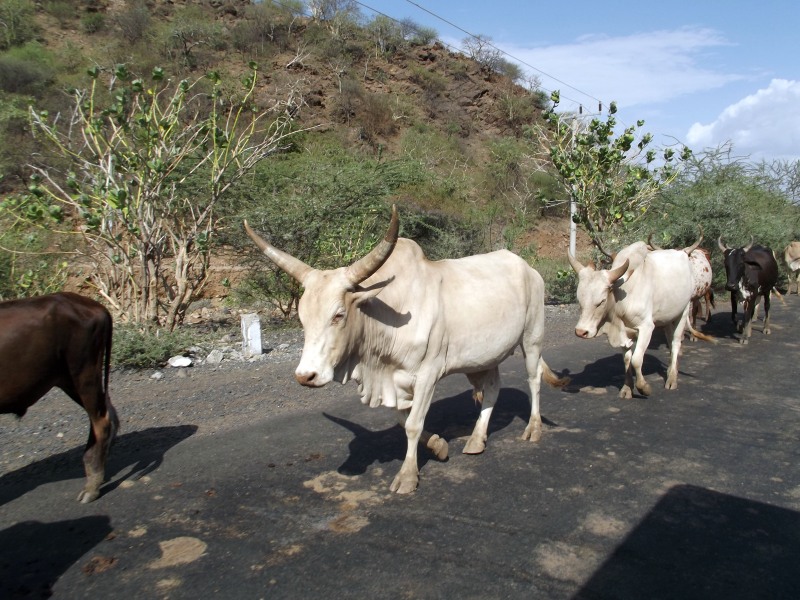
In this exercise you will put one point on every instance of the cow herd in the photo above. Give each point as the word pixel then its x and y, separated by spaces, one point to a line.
pixel 396 323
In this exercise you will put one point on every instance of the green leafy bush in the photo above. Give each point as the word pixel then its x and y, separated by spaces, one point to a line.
pixel 28 270
pixel 134 21
pixel 93 22
pixel 561 284
pixel 26 70
pixel 141 348
pixel 62 11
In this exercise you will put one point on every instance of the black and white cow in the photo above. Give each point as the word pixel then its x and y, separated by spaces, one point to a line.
pixel 752 272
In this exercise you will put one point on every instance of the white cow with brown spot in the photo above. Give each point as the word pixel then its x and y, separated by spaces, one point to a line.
pixel 397 323
pixel 700 263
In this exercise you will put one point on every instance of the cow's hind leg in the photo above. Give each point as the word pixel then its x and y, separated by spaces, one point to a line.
pixel 766 314
pixel 102 430
pixel 535 367
pixel 675 338
pixel 486 388
pixel 696 308
pixel 103 426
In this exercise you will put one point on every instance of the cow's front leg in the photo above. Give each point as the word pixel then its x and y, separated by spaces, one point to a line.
pixel 406 481
pixel 486 388
pixel 436 444
pixel 627 387
pixel 645 332
pixel 747 323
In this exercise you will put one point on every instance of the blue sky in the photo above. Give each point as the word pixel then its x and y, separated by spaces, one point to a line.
pixel 699 72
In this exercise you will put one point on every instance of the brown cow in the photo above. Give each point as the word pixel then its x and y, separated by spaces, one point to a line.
pixel 61 340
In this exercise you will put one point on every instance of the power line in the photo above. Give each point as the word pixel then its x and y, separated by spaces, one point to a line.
pixel 500 50
pixel 433 14
pixel 485 42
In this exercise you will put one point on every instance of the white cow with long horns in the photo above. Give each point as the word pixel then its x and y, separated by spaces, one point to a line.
pixel 397 323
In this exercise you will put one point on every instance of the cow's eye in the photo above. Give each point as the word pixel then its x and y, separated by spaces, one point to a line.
pixel 599 304
pixel 337 318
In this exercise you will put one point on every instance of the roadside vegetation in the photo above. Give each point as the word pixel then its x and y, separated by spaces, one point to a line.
pixel 136 137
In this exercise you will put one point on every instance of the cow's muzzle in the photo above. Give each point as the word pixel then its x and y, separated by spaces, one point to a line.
pixel 307 379
pixel 582 333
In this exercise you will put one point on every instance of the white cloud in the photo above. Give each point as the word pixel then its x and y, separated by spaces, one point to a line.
pixel 767 122
pixel 650 67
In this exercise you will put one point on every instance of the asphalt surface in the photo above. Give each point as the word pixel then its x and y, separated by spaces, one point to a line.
pixel 692 493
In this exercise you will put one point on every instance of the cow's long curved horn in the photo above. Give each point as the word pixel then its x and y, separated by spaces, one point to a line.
pixel 366 266
pixel 750 245
pixel 294 267
pixel 615 274
pixel 574 262
pixel 693 247
pixel 721 245
pixel 652 245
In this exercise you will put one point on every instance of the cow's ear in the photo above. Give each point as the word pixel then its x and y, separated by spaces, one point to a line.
pixel 361 294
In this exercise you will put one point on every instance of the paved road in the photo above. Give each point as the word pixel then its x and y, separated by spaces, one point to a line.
pixel 692 493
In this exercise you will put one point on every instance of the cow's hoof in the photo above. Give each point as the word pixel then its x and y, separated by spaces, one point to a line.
pixel 87 496
pixel 626 393
pixel 644 389
pixel 767 332
pixel 533 432
pixel 474 446
pixel 743 341
pixel 438 446
pixel 402 485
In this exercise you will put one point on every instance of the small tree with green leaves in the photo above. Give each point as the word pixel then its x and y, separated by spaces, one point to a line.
pixel 140 177
pixel 612 179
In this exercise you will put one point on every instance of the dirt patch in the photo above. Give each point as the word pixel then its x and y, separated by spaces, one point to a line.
pixel 179 551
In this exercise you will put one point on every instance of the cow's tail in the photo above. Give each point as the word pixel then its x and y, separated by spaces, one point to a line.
pixel 107 367
pixel 711 298
pixel 106 372
pixel 699 335
pixel 549 377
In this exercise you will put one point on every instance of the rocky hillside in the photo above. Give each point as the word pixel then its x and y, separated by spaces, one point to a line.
pixel 366 86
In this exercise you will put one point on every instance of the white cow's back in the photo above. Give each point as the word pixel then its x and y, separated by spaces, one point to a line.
pixel 453 316
pixel 662 286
